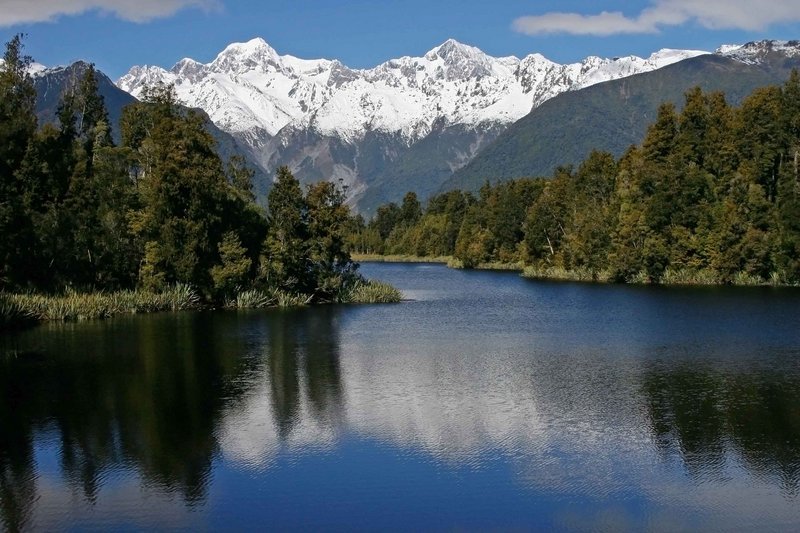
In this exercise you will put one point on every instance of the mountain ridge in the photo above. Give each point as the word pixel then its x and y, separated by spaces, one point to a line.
pixel 309 91
pixel 614 115
pixel 326 120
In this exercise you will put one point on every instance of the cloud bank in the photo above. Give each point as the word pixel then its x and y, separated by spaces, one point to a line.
pixel 27 11
pixel 751 15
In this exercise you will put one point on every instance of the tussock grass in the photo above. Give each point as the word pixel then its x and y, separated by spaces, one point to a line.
pixel 398 258
pixel 74 306
pixel 455 263
pixel 499 265
pixel 688 277
pixel 250 299
pixel 287 299
pixel 743 278
pixel 258 299
pixel 371 292
pixel 640 278
pixel 564 274
pixel 668 277
pixel 13 315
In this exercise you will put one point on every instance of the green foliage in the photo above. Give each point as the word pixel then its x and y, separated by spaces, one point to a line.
pixel 17 128
pixel 371 292
pixel 80 216
pixel 72 306
pixel 234 264
pixel 285 263
pixel 330 265
pixel 712 195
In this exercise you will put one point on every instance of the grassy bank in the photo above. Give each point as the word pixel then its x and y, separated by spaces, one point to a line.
pixel 668 277
pixel 377 258
pixel 362 292
pixel 557 273
pixel 74 306
pixel 448 260
pixel 21 310
pixel 496 265
pixel 563 274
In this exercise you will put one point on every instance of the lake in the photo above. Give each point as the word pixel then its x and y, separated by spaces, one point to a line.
pixel 484 401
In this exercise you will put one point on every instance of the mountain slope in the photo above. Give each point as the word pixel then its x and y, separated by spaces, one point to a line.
pixel 613 115
pixel 364 127
pixel 51 83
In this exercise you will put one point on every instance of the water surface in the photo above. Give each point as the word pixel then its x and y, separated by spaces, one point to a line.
pixel 485 401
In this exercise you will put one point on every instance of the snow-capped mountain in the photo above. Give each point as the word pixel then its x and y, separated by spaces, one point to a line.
pixel 757 52
pixel 249 85
pixel 328 121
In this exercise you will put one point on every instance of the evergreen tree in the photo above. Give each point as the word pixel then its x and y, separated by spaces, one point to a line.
pixel 240 176
pixel 183 193
pixel 410 209
pixel 17 128
pixel 286 264
pixel 332 268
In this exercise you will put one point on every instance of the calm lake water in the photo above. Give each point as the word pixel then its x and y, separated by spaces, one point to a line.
pixel 487 401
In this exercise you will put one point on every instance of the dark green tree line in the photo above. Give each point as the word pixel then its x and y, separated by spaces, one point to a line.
pixel 710 195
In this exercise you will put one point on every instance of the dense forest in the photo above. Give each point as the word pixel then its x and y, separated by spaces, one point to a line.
pixel 81 214
pixel 710 196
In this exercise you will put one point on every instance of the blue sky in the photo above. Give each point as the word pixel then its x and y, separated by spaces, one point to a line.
pixel 116 34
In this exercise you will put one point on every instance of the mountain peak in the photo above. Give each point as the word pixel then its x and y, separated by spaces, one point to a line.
pixel 461 61
pixel 452 50
pixel 249 55
pixel 756 52
pixel 188 68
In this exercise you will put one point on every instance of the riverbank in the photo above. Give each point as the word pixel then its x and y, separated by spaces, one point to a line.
pixel 22 310
pixel 448 260
pixel 670 277
pixel 556 273
pixel 396 258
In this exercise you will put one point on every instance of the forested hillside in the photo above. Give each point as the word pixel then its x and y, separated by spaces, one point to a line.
pixel 710 196
pixel 614 115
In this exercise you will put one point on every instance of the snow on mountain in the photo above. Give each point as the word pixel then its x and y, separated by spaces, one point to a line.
pixel 253 92
pixel 34 69
pixel 756 52
pixel 405 124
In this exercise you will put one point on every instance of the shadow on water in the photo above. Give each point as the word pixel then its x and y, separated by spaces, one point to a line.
pixel 709 417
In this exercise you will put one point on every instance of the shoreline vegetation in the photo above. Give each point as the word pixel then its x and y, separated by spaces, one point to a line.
pixel 669 277
pixel 99 218
pixel 21 310
pixel 711 196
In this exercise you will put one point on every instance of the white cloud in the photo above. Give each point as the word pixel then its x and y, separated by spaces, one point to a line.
pixel 749 15
pixel 25 11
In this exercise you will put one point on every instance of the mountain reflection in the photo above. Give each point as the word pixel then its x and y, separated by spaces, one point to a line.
pixel 295 394
pixel 168 398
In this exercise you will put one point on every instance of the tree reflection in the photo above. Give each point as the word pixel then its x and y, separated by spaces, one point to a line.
pixel 17 485
pixel 704 415
pixel 146 391
pixel 149 392
pixel 303 349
